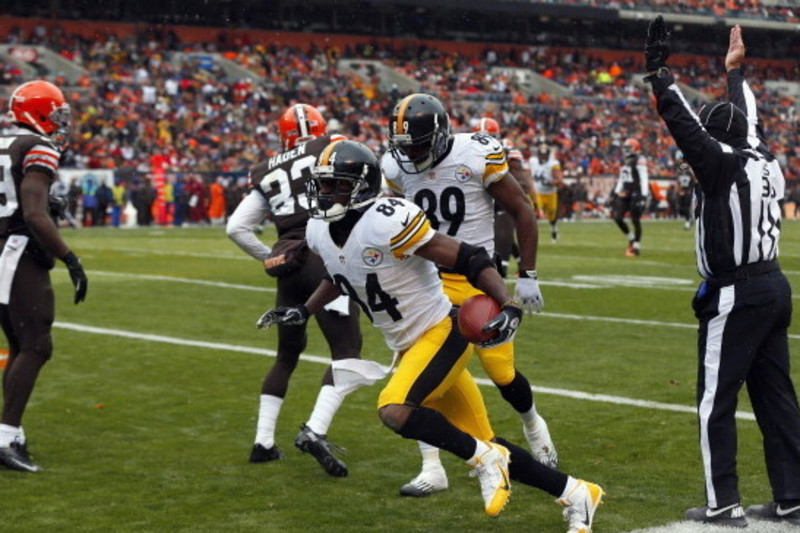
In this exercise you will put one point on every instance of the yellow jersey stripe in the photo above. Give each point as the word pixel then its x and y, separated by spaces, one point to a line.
pixel 498 155
pixel 420 230
pixel 406 230
pixel 393 186
pixel 493 171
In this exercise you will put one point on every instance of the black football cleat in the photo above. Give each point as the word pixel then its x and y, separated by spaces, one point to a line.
pixel 15 456
pixel 317 445
pixel 775 512
pixel 259 454
pixel 728 516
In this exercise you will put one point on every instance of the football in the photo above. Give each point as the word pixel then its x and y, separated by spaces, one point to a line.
pixel 474 314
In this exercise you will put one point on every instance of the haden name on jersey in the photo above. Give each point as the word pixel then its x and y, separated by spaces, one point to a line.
pixel 276 160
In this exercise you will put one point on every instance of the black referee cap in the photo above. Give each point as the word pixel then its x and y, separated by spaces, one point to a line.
pixel 725 122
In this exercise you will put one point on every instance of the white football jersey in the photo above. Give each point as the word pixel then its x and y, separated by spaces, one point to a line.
pixel 400 293
pixel 542 173
pixel 453 193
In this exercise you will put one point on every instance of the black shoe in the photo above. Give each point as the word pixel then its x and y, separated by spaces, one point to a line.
pixel 15 456
pixel 728 516
pixel 317 445
pixel 775 512
pixel 259 454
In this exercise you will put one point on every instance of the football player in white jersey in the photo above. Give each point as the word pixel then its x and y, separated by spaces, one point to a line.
pixel 456 180
pixel 504 243
pixel 383 253
pixel 547 176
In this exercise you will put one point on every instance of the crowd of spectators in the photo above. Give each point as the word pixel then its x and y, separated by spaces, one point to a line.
pixel 139 109
pixel 784 11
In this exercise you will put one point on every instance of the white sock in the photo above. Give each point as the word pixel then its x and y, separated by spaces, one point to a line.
pixel 631 236
pixel 636 245
pixel 328 402
pixel 267 420
pixel 480 449
pixel 529 418
pixel 9 434
pixel 571 484
pixel 430 456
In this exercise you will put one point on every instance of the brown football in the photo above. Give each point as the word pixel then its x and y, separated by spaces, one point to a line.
pixel 474 314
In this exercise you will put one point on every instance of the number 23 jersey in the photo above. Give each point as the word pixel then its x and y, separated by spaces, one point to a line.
pixel 401 293
pixel 453 192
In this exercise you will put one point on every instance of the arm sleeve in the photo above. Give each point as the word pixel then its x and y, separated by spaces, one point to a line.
pixel 740 94
pixel 713 162
pixel 644 178
pixel 248 214
pixel 618 185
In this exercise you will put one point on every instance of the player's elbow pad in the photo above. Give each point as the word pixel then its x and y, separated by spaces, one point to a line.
pixel 471 261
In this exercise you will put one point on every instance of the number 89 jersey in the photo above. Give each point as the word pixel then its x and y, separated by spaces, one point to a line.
pixel 453 191
pixel 401 293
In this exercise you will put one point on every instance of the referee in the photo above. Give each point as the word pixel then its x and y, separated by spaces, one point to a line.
pixel 744 304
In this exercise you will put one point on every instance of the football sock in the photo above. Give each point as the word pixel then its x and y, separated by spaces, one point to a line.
pixel 518 393
pixel 430 456
pixel 9 434
pixel 328 402
pixel 529 418
pixel 432 427
pixel 525 469
pixel 480 449
pixel 267 420
pixel 570 486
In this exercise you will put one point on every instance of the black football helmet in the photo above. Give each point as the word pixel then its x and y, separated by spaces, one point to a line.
pixel 419 131
pixel 347 176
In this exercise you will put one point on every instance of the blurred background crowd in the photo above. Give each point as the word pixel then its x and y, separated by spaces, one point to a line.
pixel 177 131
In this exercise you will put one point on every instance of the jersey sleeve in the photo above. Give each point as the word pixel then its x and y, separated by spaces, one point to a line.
pixel 391 182
pixel 405 226
pixel 41 157
pixel 493 155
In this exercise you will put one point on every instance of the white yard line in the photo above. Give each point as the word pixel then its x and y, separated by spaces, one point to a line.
pixel 604 398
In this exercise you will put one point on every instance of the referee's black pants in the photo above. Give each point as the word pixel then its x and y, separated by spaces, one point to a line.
pixel 742 338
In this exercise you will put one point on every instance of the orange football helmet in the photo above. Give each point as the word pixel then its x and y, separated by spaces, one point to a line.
pixel 631 146
pixel 487 125
pixel 41 106
pixel 300 123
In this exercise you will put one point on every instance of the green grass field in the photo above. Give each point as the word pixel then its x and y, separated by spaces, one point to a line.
pixel 145 416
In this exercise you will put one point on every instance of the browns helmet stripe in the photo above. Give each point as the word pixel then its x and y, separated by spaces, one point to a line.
pixel 302 120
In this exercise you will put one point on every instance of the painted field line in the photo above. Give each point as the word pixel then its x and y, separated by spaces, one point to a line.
pixel 174 279
pixel 149 251
pixel 578 395
pixel 256 288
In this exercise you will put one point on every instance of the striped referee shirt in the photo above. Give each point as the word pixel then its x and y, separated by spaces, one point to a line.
pixel 738 214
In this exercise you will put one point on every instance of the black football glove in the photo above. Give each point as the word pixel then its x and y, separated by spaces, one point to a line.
pixel 656 47
pixel 505 323
pixel 283 316
pixel 77 275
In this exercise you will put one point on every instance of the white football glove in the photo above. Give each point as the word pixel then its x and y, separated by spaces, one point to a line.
pixel 528 292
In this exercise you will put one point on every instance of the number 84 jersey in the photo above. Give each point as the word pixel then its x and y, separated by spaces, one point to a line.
pixel 453 191
pixel 400 292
